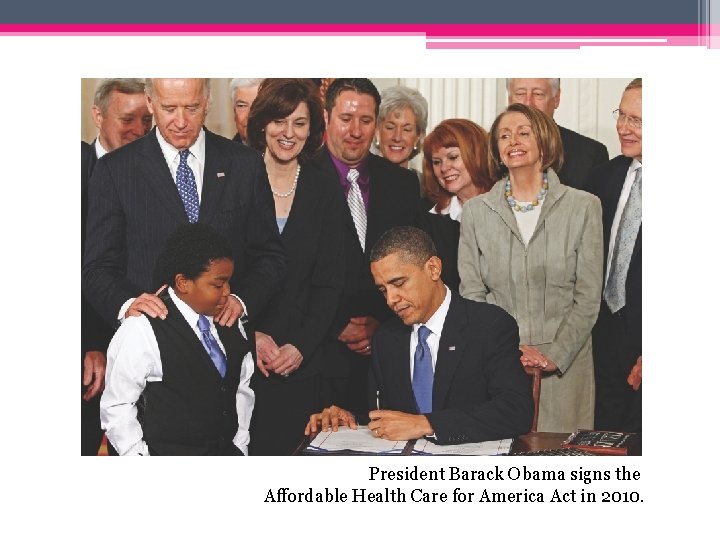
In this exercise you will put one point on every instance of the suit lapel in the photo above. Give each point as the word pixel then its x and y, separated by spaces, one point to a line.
pixel 159 178
pixel 212 183
pixel 450 351
pixel 398 367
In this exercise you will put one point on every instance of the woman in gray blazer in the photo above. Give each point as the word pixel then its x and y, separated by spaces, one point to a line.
pixel 534 247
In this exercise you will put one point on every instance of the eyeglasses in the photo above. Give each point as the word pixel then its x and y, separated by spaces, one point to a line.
pixel 634 121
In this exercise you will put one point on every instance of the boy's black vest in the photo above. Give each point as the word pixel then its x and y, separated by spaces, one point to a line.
pixel 192 411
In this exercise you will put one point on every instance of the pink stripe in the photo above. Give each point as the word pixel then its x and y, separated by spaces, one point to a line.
pixel 430 30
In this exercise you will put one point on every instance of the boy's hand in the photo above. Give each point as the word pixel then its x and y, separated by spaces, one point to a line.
pixel 232 311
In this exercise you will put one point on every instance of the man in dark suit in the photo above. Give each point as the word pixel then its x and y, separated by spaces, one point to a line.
pixel 178 173
pixel 243 92
pixel 581 153
pixel 617 336
pixel 121 115
pixel 380 195
pixel 447 367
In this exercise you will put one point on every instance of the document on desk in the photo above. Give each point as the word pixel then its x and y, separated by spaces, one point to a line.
pixel 487 448
pixel 356 440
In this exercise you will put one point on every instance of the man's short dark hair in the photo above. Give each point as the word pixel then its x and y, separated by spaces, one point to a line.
pixel 189 250
pixel 361 86
pixel 411 244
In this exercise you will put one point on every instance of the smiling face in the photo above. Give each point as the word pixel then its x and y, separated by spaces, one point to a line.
pixel 398 136
pixel 451 173
pixel 351 127
pixel 180 107
pixel 630 137
pixel 127 118
pixel 414 292
pixel 285 138
pixel 208 292
pixel 517 145
pixel 534 93
pixel 242 102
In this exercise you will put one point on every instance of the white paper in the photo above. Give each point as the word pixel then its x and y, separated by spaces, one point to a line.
pixel 487 448
pixel 359 440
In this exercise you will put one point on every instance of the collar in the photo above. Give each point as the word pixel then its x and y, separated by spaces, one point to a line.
pixel 99 148
pixel 454 209
pixel 171 153
pixel 190 315
pixel 343 168
pixel 634 166
pixel 436 322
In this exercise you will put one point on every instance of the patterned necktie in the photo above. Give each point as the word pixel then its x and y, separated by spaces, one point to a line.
pixel 211 346
pixel 624 245
pixel 187 188
pixel 357 206
pixel 422 382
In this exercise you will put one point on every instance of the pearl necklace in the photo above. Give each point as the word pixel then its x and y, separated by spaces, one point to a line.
pixel 292 190
pixel 530 206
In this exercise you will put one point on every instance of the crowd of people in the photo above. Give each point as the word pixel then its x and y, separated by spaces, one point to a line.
pixel 239 293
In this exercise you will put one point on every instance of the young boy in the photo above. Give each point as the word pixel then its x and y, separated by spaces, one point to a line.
pixel 181 385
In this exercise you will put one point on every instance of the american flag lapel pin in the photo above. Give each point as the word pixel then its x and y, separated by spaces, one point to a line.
pixel 451 348
pixel 221 175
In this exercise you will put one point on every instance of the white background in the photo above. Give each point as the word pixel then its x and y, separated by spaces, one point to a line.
pixel 51 491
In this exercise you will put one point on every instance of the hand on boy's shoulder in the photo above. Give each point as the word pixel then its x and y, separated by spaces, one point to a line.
pixel 148 304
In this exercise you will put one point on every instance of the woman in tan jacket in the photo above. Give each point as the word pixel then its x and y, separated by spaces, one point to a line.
pixel 534 247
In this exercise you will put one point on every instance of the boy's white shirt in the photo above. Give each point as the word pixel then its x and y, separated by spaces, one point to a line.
pixel 133 359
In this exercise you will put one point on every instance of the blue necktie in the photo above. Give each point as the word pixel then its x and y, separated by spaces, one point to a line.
pixel 422 382
pixel 187 188
pixel 211 346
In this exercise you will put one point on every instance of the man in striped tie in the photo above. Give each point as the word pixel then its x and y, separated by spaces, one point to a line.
pixel 446 367
pixel 379 195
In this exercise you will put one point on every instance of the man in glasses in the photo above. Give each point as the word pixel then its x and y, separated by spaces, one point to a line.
pixel 617 336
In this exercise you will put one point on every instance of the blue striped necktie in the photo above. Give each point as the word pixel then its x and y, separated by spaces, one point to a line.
pixel 422 382
pixel 187 187
pixel 211 346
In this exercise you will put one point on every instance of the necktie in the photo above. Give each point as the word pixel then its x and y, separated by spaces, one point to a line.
pixel 624 244
pixel 422 382
pixel 357 206
pixel 211 346
pixel 187 188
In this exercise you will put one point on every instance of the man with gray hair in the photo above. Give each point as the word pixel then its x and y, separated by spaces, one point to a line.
pixel 121 115
pixel 242 93
pixel 581 153
pixel 179 173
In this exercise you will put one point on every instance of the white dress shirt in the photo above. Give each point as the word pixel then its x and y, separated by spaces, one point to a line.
pixel 133 359
pixel 435 323
pixel 196 159
pixel 624 196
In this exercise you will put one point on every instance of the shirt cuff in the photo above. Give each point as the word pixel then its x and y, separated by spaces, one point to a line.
pixel 245 313
pixel 137 449
pixel 123 309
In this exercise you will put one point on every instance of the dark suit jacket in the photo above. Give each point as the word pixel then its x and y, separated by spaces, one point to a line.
pixel 445 233
pixel 134 206
pixel 313 238
pixel 95 332
pixel 607 182
pixel 581 155
pixel 480 390
pixel 394 199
